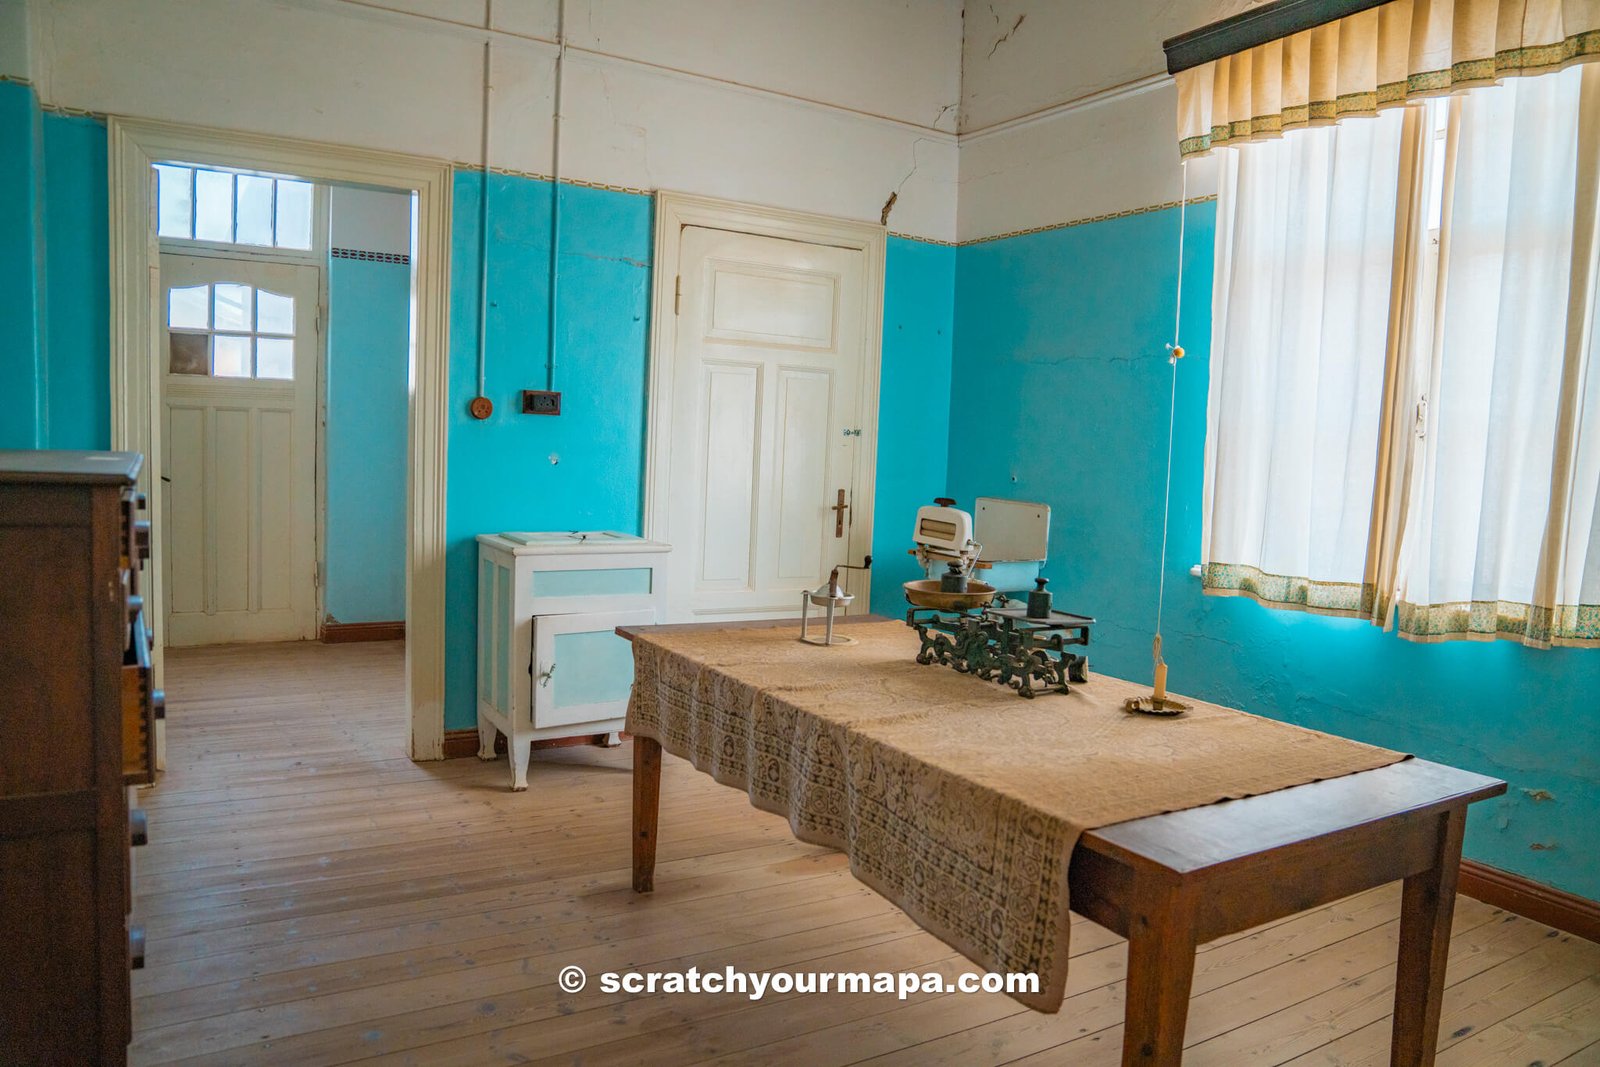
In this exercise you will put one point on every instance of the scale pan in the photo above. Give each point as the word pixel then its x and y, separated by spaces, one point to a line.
pixel 925 593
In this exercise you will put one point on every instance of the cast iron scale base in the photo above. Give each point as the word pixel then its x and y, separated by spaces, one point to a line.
pixel 1004 645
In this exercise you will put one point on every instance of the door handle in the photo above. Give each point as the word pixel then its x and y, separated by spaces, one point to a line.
pixel 838 515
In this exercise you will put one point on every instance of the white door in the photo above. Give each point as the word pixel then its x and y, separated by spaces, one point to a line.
pixel 766 422
pixel 240 352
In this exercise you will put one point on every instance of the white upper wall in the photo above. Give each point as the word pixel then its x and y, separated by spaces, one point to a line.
pixel 370 220
pixel 1067 112
pixel 818 105
pixel 826 105
pixel 1023 56
pixel 15 61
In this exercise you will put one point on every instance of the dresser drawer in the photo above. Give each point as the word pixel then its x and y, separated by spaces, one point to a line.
pixel 142 705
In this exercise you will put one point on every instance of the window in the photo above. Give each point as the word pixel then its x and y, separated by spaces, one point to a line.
pixel 230 331
pixel 200 204
pixel 1404 422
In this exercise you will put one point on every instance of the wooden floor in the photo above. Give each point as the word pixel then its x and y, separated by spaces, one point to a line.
pixel 312 896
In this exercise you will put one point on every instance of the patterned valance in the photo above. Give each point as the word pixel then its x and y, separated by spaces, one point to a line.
pixel 1381 57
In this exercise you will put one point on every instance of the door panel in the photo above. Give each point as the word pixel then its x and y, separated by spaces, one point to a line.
pixel 228 486
pixel 732 395
pixel 768 306
pixel 273 555
pixel 802 473
pixel 766 409
pixel 184 526
pixel 242 351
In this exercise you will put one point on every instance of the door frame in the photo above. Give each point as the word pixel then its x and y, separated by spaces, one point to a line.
pixel 674 211
pixel 134 146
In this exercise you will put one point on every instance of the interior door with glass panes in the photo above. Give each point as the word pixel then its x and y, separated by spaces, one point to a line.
pixel 241 351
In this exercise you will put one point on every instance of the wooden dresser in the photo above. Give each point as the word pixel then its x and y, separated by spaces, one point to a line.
pixel 77 721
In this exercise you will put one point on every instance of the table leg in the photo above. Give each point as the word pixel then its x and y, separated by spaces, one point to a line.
pixel 646 809
pixel 1161 944
pixel 1426 910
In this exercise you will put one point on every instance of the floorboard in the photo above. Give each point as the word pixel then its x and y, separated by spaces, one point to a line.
pixel 312 896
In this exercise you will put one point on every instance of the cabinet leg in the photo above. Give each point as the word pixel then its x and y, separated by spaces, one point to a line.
pixel 486 736
pixel 613 739
pixel 520 751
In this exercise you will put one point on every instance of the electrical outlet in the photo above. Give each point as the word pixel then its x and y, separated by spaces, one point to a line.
pixel 540 402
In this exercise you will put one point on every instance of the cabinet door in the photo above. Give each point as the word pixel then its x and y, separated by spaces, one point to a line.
pixel 582 671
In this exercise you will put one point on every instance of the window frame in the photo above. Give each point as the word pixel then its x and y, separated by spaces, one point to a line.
pixel 253 334
pixel 316 255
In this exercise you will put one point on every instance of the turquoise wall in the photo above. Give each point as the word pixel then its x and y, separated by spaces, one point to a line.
pixel 20 162
pixel 913 407
pixel 1063 331
pixel 369 355
pixel 77 285
pixel 54 303
pixel 583 468
pixel 501 474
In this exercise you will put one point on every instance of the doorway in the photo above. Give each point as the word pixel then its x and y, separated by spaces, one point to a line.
pixel 137 415
pixel 763 404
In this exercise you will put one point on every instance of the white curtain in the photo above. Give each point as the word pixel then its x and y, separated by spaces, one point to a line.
pixel 1504 538
pixel 1301 305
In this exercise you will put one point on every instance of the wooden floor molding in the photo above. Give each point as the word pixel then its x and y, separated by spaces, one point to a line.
pixel 311 896
pixel 1542 903
pixel 337 633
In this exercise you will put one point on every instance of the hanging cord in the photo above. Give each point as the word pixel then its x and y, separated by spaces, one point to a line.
pixel 1175 351
pixel 555 198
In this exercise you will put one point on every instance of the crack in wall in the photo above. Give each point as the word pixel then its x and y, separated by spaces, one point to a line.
pixel 640 133
pixel 1007 35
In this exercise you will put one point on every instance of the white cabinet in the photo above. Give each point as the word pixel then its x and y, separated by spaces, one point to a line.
pixel 549 661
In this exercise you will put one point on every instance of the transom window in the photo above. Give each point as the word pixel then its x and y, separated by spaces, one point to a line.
pixel 197 204
pixel 230 331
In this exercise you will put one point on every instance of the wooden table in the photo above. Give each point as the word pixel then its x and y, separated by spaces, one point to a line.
pixel 1169 883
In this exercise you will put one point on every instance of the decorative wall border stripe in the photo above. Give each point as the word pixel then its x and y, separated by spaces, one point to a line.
pixel 72 112
pixel 512 172
pixel 474 168
pixel 370 257
pixel 1125 213
pixel 16 79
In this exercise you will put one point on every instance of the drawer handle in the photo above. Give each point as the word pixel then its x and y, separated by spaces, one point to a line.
pixel 141 643
pixel 138 828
